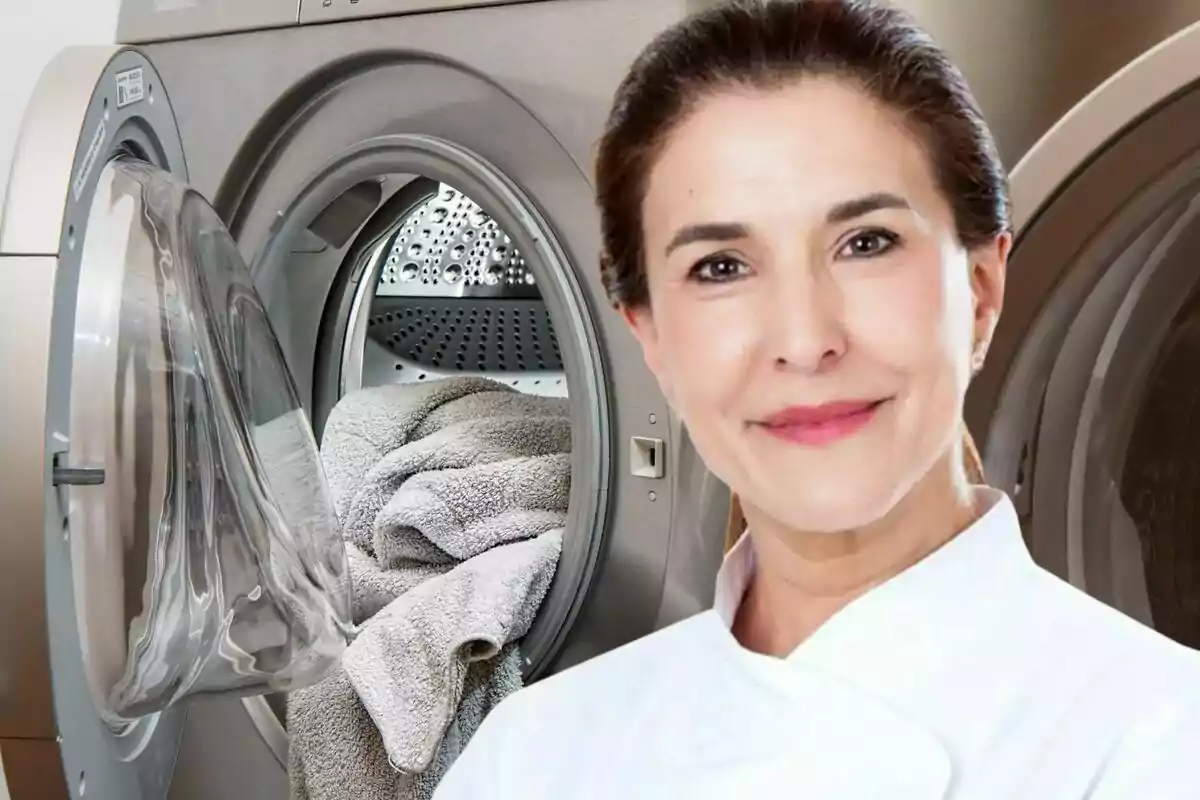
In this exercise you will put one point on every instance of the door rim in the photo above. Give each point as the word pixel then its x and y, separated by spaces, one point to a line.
pixel 1084 142
pixel 1103 174
pixel 586 369
pixel 76 123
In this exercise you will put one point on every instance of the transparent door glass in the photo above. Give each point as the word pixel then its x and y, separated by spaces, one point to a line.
pixel 209 560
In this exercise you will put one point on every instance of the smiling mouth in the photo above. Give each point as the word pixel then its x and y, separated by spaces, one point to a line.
pixel 817 426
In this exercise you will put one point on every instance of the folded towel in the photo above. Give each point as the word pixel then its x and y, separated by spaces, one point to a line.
pixel 337 753
pixel 409 663
pixel 508 430
pixel 464 512
pixel 334 750
pixel 479 422
pixel 487 683
pixel 490 436
pixel 366 426
pixel 374 588
pixel 498 402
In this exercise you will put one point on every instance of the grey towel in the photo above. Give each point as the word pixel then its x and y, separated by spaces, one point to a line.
pixel 499 402
pixel 336 752
pixel 409 664
pixel 452 496
pixel 374 588
pixel 363 428
pixel 377 439
pixel 475 467
pixel 463 512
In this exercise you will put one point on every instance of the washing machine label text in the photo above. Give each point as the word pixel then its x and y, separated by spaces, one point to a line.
pixel 130 87
pixel 89 161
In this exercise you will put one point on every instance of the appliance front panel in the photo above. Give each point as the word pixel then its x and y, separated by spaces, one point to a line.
pixel 316 11
pixel 1030 61
pixel 89 104
pixel 142 21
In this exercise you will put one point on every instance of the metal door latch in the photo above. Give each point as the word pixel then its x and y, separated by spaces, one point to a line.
pixel 78 476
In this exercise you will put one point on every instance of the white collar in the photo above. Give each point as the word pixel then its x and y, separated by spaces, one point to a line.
pixel 920 616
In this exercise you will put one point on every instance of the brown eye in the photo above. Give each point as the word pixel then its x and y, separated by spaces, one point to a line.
pixel 868 244
pixel 718 270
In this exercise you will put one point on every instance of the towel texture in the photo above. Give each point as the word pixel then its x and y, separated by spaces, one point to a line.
pixel 366 426
pixel 452 497
pixel 374 588
pixel 337 753
pixel 367 429
pixel 468 472
pixel 463 512
pixel 409 663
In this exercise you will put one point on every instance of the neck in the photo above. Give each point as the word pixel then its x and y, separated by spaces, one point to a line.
pixel 804 578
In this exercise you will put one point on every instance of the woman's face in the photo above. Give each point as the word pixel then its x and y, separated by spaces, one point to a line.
pixel 813 318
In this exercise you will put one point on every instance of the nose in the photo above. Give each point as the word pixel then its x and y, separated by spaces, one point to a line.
pixel 806 322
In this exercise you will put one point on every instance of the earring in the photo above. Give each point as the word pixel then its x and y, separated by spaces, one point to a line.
pixel 978 355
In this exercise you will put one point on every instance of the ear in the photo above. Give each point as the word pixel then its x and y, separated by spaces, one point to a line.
pixel 640 320
pixel 989 264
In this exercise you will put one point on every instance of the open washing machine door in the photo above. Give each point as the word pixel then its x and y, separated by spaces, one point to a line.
pixel 171 533
pixel 1088 398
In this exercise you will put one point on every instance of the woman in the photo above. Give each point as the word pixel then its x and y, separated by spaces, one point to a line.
pixel 806 226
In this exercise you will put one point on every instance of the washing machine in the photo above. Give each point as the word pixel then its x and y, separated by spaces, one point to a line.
pixel 1087 405
pixel 381 191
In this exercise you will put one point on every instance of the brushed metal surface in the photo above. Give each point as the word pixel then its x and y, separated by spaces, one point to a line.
pixel 1030 61
pixel 257 157
pixel 1097 164
pixel 155 20
pixel 1101 261
pixel 26 709
pixel 1126 96
pixel 39 183
pixel 332 10
pixel 316 91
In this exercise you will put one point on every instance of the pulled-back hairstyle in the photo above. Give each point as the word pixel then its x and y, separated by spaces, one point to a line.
pixel 765 44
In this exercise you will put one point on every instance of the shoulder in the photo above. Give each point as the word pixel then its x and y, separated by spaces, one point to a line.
pixel 1156 750
pixel 1094 693
pixel 1145 685
pixel 1117 644
pixel 574 712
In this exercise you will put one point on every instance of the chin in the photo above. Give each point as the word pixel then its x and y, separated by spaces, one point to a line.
pixel 830 504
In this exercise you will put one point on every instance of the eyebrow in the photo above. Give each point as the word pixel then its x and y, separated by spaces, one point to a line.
pixel 732 231
pixel 708 232
pixel 849 209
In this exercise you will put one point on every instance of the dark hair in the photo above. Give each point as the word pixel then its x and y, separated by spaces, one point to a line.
pixel 765 44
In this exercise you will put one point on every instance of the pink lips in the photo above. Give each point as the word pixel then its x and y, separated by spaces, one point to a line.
pixel 823 424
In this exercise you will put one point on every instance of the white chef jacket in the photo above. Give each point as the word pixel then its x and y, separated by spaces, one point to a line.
pixel 973 674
